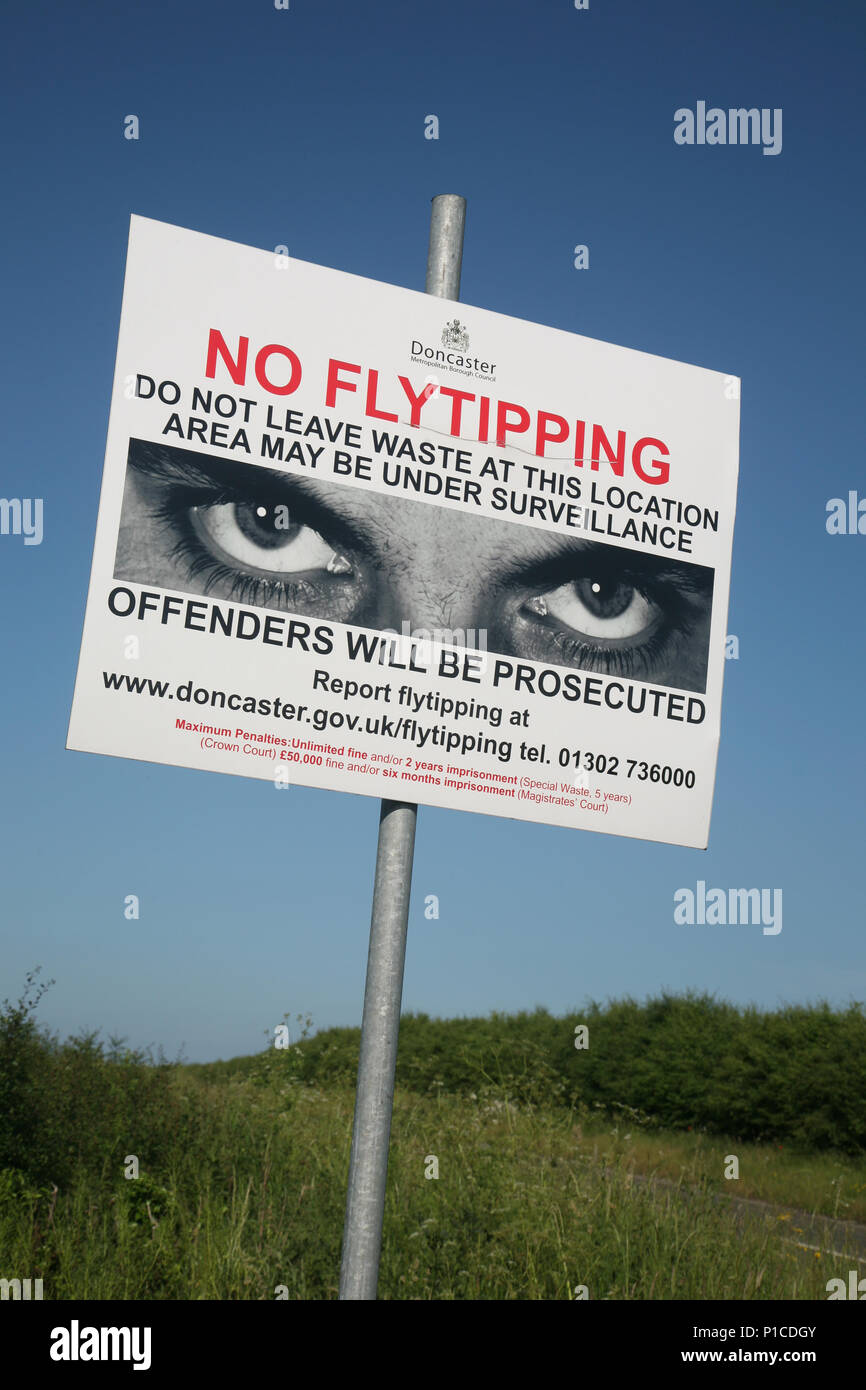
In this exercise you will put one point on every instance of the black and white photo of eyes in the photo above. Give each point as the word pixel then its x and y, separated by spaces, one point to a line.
pixel 322 549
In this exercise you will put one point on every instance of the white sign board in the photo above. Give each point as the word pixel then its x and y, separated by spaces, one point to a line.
pixel 353 536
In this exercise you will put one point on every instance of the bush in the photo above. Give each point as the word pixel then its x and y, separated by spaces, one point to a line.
pixel 796 1075
pixel 688 1061
pixel 77 1104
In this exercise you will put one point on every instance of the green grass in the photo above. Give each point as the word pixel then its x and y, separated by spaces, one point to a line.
pixel 243 1165
pixel 525 1207
pixel 824 1184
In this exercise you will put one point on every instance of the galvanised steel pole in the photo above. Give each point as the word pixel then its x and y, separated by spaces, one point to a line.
pixel 374 1098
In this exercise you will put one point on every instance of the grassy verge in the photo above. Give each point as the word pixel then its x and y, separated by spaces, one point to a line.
pixel 249 1196
pixel 821 1183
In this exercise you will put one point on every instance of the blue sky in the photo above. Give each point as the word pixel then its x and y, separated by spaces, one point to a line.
pixel 305 127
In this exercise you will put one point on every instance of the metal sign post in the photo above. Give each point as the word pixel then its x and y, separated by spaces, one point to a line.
pixel 368 1165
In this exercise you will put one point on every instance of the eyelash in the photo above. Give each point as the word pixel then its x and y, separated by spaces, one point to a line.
pixel 617 661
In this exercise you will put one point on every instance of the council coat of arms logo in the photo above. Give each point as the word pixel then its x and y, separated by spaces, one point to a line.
pixel 454 335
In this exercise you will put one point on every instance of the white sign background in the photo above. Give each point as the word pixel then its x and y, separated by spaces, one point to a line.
pixel 608 745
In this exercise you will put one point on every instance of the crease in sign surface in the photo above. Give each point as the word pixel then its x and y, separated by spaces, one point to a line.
pixel 501 590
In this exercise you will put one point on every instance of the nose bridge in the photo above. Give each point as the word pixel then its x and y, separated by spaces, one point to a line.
pixel 428 592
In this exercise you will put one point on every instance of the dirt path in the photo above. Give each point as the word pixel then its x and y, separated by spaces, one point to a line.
pixel 846 1239
pixel 822 1233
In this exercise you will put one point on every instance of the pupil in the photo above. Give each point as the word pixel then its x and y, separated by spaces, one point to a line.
pixel 604 598
pixel 268 525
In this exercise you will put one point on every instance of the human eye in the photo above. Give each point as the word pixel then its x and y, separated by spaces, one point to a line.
pixel 261 538
pixel 258 549
pixel 599 608
pixel 243 532
pixel 616 611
